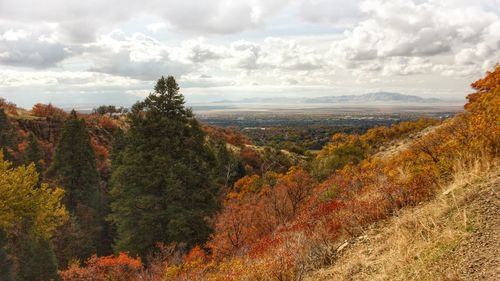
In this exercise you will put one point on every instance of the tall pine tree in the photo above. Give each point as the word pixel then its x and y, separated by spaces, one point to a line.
pixel 74 169
pixel 8 136
pixel 74 165
pixel 162 187
pixel 33 153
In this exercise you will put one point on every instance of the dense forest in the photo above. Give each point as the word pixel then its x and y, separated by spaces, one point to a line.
pixel 151 194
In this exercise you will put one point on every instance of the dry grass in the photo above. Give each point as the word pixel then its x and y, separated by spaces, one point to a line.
pixel 413 244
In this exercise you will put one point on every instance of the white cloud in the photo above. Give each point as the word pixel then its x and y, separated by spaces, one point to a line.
pixel 138 56
pixel 14 35
pixel 197 51
pixel 288 54
pixel 405 28
pixel 250 44
pixel 454 70
pixel 30 52
pixel 486 51
pixel 156 27
pixel 12 78
pixel 245 54
pixel 214 17
pixel 274 53
pixel 219 16
pixel 409 37
pixel 195 80
pixel 406 66
pixel 337 12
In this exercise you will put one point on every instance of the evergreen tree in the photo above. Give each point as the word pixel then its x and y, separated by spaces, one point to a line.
pixel 33 153
pixel 71 242
pixel 5 263
pixel 74 165
pixel 117 147
pixel 74 168
pixel 8 136
pixel 37 260
pixel 228 167
pixel 162 187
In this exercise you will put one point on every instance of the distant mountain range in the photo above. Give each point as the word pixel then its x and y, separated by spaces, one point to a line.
pixel 378 97
pixel 373 97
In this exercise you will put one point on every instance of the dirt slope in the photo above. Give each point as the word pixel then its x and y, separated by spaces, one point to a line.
pixel 454 237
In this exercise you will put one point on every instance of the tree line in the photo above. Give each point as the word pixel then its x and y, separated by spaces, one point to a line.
pixel 164 187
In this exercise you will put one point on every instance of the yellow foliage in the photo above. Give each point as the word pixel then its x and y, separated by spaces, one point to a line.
pixel 484 111
pixel 21 199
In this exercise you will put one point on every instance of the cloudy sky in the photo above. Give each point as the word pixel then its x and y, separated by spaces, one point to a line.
pixel 94 51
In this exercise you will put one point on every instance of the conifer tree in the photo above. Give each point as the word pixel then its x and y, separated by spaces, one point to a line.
pixel 5 263
pixel 162 187
pixel 8 137
pixel 37 259
pixel 33 153
pixel 74 165
pixel 74 169
pixel 228 167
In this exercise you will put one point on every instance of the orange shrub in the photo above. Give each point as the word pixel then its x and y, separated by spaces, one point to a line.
pixel 107 123
pixel 48 111
pixel 9 107
pixel 251 159
pixel 116 268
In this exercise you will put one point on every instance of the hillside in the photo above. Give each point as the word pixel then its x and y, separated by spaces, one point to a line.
pixel 453 237
pixel 46 123
pixel 388 204
pixel 156 195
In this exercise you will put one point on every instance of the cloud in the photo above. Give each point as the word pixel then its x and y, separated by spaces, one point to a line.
pixel 406 28
pixel 288 54
pixel 486 51
pixel 406 66
pixel 33 49
pixel 274 53
pixel 195 80
pixel 76 21
pixel 156 27
pixel 402 38
pixel 197 51
pixel 250 44
pixel 245 54
pixel 80 79
pixel 14 35
pixel 219 16
pixel 138 56
pixel 200 17
pixel 335 12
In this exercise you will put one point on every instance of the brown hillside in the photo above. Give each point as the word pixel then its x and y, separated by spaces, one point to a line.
pixel 453 237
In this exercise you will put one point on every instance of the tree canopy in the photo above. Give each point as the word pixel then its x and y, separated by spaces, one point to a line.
pixel 74 164
pixel 21 198
pixel 162 188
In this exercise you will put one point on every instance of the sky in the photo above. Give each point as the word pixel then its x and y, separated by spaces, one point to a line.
pixel 111 52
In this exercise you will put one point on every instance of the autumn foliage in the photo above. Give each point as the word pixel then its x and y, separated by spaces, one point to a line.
pixel 278 226
pixel 229 136
pixel 276 220
pixel 48 111
pixel 9 107
pixel 117 268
